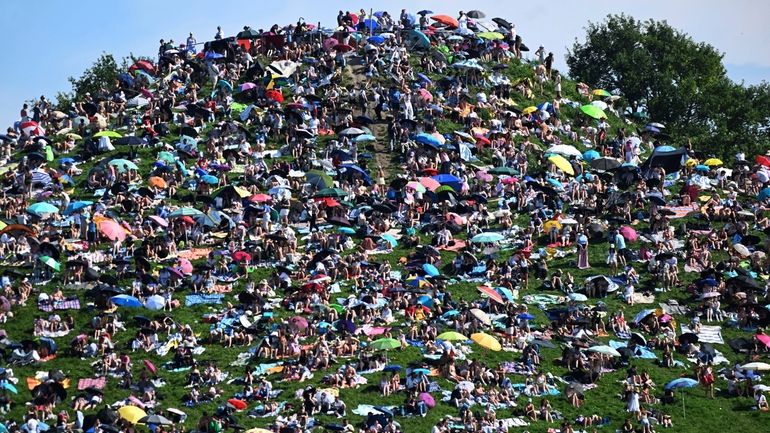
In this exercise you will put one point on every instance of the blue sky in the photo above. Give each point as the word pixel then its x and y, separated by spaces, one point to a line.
pixel 47 41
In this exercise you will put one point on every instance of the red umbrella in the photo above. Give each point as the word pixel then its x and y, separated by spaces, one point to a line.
pixel 329 202
pixel 31 128
pixel 237 404
pixel 275 95
pixel 241 256
pixel 187 220
pixel 112 230
pixel 429 183
pixel 150 366
pixel 427 399
pixel 761 159
pixel 260 198
pixel 510 180
pixel 481 138
pixel 446 20
pixel 144 65
pixel 492 294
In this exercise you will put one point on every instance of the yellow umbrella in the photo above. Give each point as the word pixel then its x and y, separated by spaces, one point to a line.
pixel 692 162
pixel 132 414
pixel 552 223
pixel 713 162
pixel 562 164
pixel 528 110
pixel 487 341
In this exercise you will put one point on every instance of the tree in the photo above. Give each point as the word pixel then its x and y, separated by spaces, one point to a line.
pixel 679 82
pixel 99 77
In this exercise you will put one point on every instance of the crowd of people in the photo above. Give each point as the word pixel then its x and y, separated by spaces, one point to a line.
pixel 320 204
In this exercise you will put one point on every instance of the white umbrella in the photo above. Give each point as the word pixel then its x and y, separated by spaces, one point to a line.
pixel 756 366
pixel 605 350
pixel 481 316
pixel 565 149
pixel 155 302
pixel 741 250
pixel 465 386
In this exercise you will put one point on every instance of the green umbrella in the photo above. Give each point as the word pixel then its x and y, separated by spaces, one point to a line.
pixel 338 308
pixel 50 262
pixel 452 336
pixel 446 188
pixel 385 344
pixel 503 170
pixel 319 179
pixel 111 134
pixel 491 36
pixel 167 156
pixel 593 111
pixel 123 164
pixel 331 192
pixel 601 92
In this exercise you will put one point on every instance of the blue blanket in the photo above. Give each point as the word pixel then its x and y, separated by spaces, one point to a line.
pixel 191 300
pixel 639 351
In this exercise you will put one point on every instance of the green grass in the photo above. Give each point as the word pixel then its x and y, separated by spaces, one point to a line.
pixel 702 414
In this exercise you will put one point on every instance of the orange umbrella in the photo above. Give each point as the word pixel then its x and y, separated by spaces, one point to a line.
pixel 491 293
pixel 112 230
pixel 157 182
pixel 446 20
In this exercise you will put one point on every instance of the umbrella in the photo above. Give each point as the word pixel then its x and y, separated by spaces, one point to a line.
pixel 76 206
pixel 110 134
pixel 150 366
pixel 298 322
pixel 605 164
pixel 430 270
pixel 628 233
pixel 487 237
pixel 155 419
pixel 126 301
pixel 42 208
pixel 385 344
pixel 185 211
pixel 713 162
pixel 237 404
pixel 487 341
pixel 50 262
pixel 593 111
pixel 491 293
pixel 682 382
pixel 578 297
pixel 112 230
pixel 446 20
pixel 452 336
pixel 476 14
pixel 591 155
pixel 562 164
pixel 605 350
pixel 123 164
pixel 132 414
pixel 601 92
pixel 481 316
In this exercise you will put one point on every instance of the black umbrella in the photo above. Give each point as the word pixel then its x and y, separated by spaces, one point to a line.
pixel 605 164
pixel 188 131
pixel 503 23
pixel 339 221
pixel 131 140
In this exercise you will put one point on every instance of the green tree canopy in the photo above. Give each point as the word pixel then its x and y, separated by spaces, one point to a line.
pixel 678 81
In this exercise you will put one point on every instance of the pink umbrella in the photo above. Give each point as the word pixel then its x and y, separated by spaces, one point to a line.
pixel 185 266
pixel 483 175
pixel 160 221
pixel 764 339
pixel 425 95
pixel 429 183
pixel 298 322
pixel 628 233
pixel 510 180
pixel 428 399
pixel 665 318
pixel 112 230
pixel 150 366
pixel 330 43
pixel 455 218
pixel 247 86
pixel 371 331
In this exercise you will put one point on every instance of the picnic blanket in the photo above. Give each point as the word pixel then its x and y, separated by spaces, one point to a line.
pixel 49 305
pixel 455 246
pixel 191 300
pixel 97 383
pixel 544 299
pixel 639 351
pixel 643 298
pixel 707 334
pixel 681 211
pixel 673 309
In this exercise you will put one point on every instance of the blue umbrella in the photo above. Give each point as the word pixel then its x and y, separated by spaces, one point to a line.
pixel 590 155
pixel 555 183
pixel 427 139
pixel 526 316
pixel 506 293
pixel 9 386
pixel 682 382
pixel 424 371
pixel 352 168
pixel 431 270
pixel 379 14
pixel 487 237
pixel 376 40
pixel 126 301
pixel 418 39
pixel 424 78
pixel 211 55
pixel 77 206
pixel 346 230
pixel 209 179
pixel 664 149
pixel 425 300
pixel 126 78
pixel 42 208
pixel 65 161
pixel 447 179
pixel 701 167
pixel 390 239
pixel 370 24
pixel 642 314
pixel 450 313
pixel 365 137
pixel 392 368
